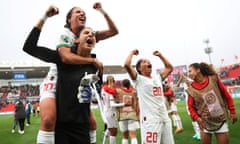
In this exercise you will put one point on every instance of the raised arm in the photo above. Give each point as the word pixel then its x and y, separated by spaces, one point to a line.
pixel 64 49
pixel 129 68
pixel 30 45
pixel 112 29
pixel 70 58
pixel 181 77
pixel 168 66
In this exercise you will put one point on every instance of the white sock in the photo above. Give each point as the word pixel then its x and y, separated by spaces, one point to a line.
pixel 105 137
pixel 196 127
pixel 45 137
pixel 106 132
pixel 113 140
pixel 92 134
pixel 174 117
pixel 134 141
pixel 178 121
pixel 124 141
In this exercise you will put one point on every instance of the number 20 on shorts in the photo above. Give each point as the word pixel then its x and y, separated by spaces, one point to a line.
pixel 151 137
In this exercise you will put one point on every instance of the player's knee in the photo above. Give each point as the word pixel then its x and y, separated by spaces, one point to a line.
pixel 113 131
pixel 93 122
pixel 174 112
pixel 48 122
pixel 93 125
pixel 125 135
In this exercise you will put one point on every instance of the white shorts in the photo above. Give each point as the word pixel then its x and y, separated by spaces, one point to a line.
pixel 157 133
pixel 131 125
pixel 48 87
pixel 111 118
pixel 223 129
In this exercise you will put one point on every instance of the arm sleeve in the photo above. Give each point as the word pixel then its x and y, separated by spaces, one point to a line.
pixel 227 97
pixel 191 108
pixel 42 53
pixel 66 39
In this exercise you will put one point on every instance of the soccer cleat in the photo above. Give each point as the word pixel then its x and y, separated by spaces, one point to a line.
pixel 197 137
pixel 178 130
pixel 27 124
pixel 20 132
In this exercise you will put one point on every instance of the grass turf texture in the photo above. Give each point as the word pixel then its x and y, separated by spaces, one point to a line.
pixel 29 137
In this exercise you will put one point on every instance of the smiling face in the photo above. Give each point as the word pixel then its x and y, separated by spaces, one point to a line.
pixel 77 18
pixel 145 67
pixel 86 41
pixel 193 72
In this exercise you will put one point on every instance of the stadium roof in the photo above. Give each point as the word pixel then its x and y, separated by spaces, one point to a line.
pixel 7 72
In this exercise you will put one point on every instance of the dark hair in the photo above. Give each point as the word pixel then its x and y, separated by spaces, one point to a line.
pixel 138 66
pixel 68 16
pixel 126 83
pixel 74 47
pixel 205 69
pixel 108 79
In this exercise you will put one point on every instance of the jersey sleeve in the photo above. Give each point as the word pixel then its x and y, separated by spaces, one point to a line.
pixel 66 39
pixel 191 108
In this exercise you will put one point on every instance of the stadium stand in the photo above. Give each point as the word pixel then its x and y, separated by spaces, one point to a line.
pixel 22 82
pixel 230 74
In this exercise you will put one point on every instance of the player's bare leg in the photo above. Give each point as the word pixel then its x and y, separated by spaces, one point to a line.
pixel 48 120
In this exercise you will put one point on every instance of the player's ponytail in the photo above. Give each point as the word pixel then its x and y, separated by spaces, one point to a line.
pixel 68 16
pixel 205 69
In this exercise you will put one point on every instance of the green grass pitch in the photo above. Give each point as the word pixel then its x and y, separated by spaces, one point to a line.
pixel 29 137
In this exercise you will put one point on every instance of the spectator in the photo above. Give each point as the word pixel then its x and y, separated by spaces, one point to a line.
pixel 15 123
pixel 38 109
pixel 28 109
pixel 20 116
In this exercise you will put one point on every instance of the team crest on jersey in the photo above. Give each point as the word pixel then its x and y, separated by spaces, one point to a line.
pixel 64 39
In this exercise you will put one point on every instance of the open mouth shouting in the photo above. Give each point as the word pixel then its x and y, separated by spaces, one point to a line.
pixel 89 41
pixel 82 19
pixel 149 66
